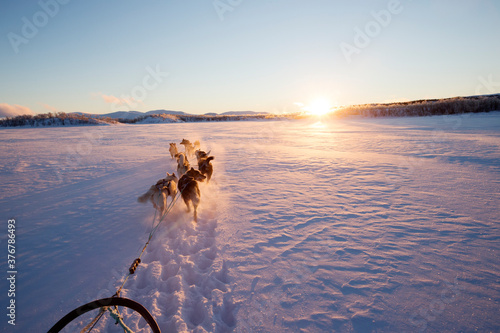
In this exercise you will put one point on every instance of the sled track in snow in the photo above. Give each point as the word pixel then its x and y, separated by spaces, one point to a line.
pixel 181 280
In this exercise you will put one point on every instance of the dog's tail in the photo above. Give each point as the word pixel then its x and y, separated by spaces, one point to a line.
pixel 209 158
pixel 144 198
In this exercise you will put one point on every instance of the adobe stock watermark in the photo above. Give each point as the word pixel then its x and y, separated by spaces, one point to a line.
pixel 487 84
pixel 31 26
pixel 373 28
pixel 224 6
pixel 139 93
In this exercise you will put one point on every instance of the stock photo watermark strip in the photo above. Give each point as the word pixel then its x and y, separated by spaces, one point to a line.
pixel 11 271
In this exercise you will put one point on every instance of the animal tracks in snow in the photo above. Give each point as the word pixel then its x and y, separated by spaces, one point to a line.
pixel 181 279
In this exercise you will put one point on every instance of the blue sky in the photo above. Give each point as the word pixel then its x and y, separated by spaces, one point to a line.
pixel 203 56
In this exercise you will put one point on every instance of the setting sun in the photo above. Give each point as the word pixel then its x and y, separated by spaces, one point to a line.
pixel 319 107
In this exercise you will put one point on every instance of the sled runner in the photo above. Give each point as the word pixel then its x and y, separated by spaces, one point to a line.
pixel 109 304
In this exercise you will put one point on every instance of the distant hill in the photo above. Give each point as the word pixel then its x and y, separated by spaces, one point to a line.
pixel 130 115
pixel 121 115
pixel 241 113
pixel 179 113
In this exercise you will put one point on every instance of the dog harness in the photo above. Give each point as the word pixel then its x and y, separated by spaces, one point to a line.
pixel 161 185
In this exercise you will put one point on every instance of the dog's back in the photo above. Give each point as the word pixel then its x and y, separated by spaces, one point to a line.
pixel 190 191
pixel 168 185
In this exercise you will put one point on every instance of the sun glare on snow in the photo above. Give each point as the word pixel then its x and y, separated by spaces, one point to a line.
pixel 319 107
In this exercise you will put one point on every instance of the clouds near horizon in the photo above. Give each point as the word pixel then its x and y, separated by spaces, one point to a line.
pixel 124 100
pixel 49 107
pixel 7 110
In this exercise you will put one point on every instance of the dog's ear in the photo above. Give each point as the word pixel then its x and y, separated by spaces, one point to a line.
pixel 173 174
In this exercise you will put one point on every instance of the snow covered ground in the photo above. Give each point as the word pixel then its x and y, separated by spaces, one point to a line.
pixel 353 225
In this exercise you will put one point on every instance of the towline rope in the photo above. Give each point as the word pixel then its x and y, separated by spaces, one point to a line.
pixel 137 261
pixel 115 314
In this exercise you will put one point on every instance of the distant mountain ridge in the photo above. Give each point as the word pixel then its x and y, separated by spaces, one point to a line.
pixel 241 113
pixel 130 115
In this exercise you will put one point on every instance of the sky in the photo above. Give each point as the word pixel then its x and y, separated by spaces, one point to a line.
pixel 278 56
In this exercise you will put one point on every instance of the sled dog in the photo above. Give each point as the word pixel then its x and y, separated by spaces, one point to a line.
pixel 200 154
pixel 188 185
pixel 206 167
pixel 188 146
pixel 173 150
pixel 182 164
pixel 158 194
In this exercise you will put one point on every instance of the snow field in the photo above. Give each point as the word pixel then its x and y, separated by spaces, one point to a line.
pixel 354 225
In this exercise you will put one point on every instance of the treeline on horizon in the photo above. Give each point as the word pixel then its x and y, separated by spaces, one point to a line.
pixel 449 106
pixel 420 108
pixel 75 119
pixel 53 119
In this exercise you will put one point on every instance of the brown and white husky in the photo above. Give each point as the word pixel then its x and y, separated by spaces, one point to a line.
pixel 206 167
pixel 204 164
pixel 158 194
pixel 182 164
pixel 190 191
pixel 201 154
pixel 188 146
pixel 173 150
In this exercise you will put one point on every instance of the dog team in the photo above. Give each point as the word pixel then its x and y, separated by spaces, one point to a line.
pixel 187 184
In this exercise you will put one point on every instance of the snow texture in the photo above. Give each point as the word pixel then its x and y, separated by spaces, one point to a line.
pixel 352 225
